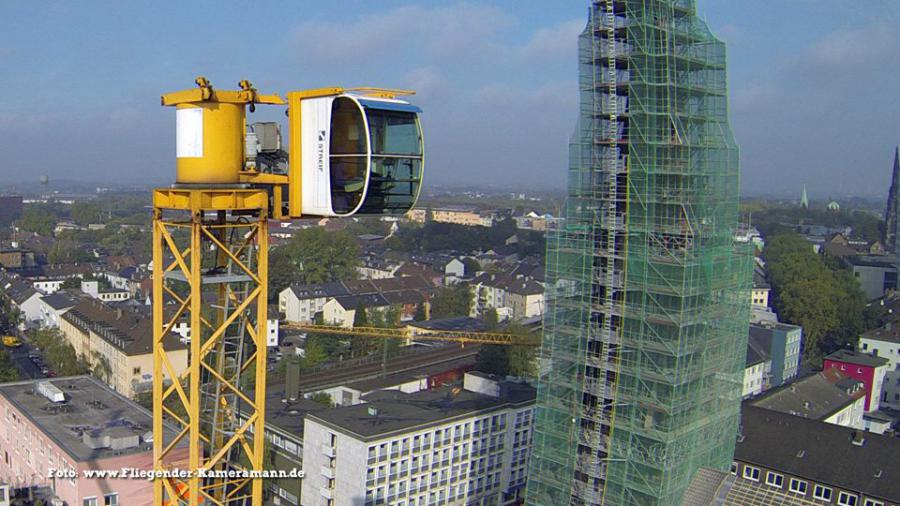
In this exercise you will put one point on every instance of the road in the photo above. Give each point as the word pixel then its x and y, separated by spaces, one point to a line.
pixel 19 357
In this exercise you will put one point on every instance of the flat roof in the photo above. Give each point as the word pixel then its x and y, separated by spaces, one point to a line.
pixel 857 358
pixel 398 412
pixel 817 396
pixel 90 407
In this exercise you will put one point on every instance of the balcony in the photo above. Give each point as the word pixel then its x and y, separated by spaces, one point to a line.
pixel 328 472
pixel 328 450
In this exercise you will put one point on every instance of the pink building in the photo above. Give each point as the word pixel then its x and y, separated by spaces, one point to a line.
pixel 866 368
pixel 75 425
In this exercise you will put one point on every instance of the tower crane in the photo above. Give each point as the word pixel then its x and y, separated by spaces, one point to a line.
pixel 349 151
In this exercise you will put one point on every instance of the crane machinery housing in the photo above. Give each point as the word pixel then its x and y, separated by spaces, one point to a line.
pixel 350 151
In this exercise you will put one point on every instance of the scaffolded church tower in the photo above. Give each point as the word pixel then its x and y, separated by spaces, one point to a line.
pixel 648 298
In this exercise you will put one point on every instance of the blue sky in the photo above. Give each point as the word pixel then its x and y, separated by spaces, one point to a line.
pixel 814 83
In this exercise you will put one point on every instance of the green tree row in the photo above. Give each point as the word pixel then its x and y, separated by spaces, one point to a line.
pixel 823 297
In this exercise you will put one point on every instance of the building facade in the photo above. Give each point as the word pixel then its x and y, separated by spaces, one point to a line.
pixel 869 369
pixel 82 425
pixel 885 342
pixel 465 447
pixel 781 342
pixel 646 323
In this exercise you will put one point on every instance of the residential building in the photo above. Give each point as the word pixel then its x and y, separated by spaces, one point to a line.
pixel 711 487
pixel 821 462
pixel 884 342
pixel 454 446
pixel 376 267
pixel 341 311
pixel 417 215
pixel 756 371
pixel 300 303
pixel 459 215
pixel 646 316
pixel 94 289
pixel 869 369
pixel 24 298
pixel 117 343
pixel 759 295
pixel 53 306
pixel 877 275
pixel 516 295
pixel 77 424
pixel 536 222
pixel 781 342
pixel 828 396
pixel 15 258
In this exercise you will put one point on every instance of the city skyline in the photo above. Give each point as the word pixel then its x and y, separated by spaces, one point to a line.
pixel 484 72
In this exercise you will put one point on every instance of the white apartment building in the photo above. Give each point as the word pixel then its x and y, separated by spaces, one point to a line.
pixel 300 303
pixel 885 342
pixel 443 446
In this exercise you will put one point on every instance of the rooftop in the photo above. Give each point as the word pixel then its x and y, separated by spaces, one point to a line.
pixel 820 452
pixel 889 333
pixel 90 410
pixel 711 487
pixel 400 412
pixel 886 262
pixel 857 358
pixel 129 330
pixel 818 396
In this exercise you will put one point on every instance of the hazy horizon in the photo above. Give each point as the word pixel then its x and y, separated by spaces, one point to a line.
pixel 812 84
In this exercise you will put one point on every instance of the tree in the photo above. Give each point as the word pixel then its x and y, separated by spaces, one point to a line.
pixel 39 220
pixel 8 371
pixel 451 301
pixel 360 345
pixel 313 354
pixel 822 297
pixel 493 359
pixel 85 213
pixel 322 398
pixel 491 320
pixel 313 256
pixel 420 314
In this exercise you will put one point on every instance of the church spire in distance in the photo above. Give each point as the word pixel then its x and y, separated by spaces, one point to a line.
pixel 891 217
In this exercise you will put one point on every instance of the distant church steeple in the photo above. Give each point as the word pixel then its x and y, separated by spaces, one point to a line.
pixel 892 213
pixel 804 200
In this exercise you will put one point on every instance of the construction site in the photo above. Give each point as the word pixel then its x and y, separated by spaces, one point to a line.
pixel 645 330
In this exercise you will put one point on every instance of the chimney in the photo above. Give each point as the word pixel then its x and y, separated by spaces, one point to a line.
pixel 118 313
pixel 292 379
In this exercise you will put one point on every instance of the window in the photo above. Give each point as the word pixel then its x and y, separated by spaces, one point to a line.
pixel 846 499
pixel 751 473
pixel 798 486
pixel 820 492
pixel 873 502
pixel 90 501
pixel 774 479
pixel 111 500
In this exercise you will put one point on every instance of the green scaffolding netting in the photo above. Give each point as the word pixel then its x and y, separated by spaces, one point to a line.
pixel 645 330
